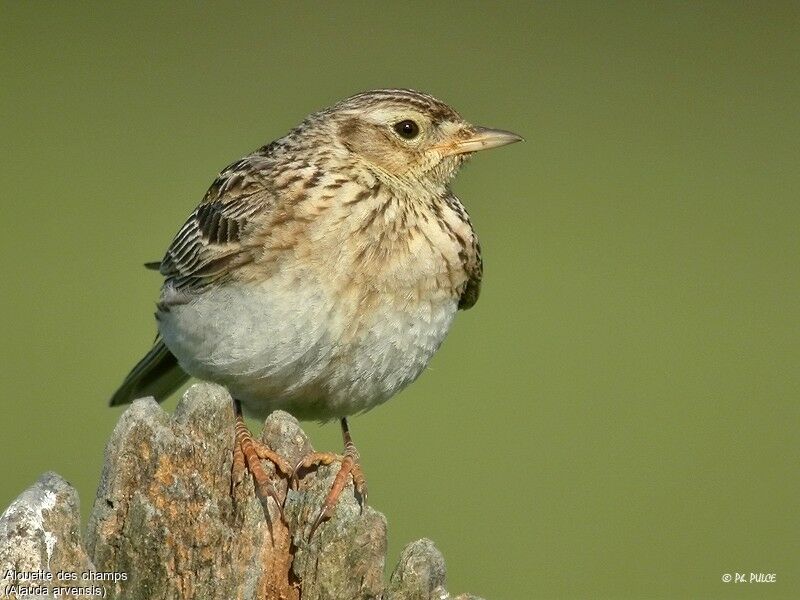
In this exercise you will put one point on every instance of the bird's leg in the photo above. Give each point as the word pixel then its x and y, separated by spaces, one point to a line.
pixel 247 455
pixel 350 465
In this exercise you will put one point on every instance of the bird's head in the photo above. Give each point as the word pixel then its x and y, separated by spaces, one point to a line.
pixel 409 137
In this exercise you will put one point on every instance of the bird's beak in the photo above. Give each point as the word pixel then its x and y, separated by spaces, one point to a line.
pixel 480 138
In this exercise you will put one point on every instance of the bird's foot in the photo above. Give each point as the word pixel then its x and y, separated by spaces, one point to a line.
pixel 247 455
pixel 350 466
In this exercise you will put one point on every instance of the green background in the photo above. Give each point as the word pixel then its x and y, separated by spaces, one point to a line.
pixel 616 418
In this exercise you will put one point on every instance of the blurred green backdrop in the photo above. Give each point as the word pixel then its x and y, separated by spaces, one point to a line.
pixel 618 416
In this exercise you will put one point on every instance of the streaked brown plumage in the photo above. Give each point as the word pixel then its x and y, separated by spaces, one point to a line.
pixel 321 272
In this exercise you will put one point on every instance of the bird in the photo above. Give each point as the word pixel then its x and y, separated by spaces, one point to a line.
pixel 321 272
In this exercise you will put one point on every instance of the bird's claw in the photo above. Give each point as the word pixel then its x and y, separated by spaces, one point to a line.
pixel 350 466
pixel 247 456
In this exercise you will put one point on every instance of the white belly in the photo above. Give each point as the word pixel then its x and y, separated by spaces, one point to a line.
pixel 285 343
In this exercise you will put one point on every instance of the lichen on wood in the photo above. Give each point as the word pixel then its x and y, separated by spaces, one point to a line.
pixel 167 517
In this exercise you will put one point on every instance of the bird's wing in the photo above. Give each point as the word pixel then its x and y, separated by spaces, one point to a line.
pixel 473 265
pixel 216 236
pixel 470 253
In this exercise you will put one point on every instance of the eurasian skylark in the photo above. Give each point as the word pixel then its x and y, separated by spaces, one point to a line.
pixel 321 272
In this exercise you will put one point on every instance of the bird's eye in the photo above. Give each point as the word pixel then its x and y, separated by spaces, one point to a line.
pixel 407 129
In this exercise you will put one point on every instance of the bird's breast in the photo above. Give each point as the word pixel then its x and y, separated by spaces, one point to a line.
pixel 381 248
pixel 345 308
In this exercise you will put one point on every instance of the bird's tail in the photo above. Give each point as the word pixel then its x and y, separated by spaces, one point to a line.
pixel 157 374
